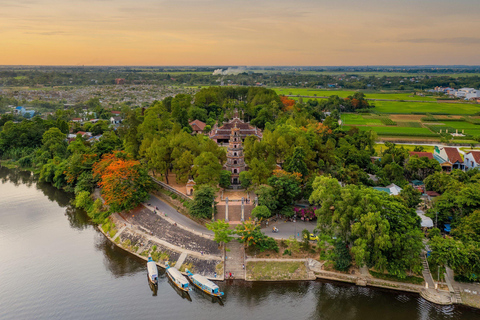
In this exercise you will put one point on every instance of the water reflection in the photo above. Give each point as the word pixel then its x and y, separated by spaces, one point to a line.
pixel 118 261
pixel 125 294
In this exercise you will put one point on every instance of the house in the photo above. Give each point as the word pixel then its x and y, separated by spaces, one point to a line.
pixel 391 189
pixel 472 159
pixel 117 113
pixel 467 93
pixel 116 120
pixel 429 155
pixel 450 155
pixel 21 111
pixel 78 120
pixel 197 126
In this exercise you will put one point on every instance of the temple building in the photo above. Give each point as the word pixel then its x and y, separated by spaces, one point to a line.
pixel 222 134
pixel 235 158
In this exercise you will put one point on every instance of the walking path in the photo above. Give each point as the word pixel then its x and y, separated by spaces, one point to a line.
pixel 235 260
pixel 426 273
pixel 175 215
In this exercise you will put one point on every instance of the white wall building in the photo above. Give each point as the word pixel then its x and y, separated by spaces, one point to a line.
pixel 472 159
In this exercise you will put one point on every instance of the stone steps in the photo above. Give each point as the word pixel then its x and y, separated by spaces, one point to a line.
pixel 235 260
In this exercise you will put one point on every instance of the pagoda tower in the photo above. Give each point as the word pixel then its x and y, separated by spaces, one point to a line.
pixel 235 158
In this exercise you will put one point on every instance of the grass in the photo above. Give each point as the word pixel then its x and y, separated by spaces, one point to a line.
pixel 358 119
pixel 345 93
pixel 185 266
pixel 426 107
pixel 400 131
pixel 276 270
pixel 410 147
pixel 389 277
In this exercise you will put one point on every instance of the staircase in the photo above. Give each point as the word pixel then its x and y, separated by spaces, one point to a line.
pixel 234 211
pixel 457 295
pixel 235 260
pixel 426 273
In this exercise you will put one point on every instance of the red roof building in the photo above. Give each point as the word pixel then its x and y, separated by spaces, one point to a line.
pixel 222 134
pixel 429 155
pixel 197 126
pixel 472 159
pixel 452 155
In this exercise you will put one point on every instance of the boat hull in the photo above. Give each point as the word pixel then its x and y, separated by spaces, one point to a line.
pixel 176 284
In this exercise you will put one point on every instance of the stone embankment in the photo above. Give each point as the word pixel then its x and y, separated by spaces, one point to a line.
pixel 143 232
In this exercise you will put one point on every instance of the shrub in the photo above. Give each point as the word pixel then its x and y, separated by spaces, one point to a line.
pixel 343 259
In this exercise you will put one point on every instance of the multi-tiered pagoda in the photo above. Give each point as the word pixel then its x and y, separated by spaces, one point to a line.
pixel 235 158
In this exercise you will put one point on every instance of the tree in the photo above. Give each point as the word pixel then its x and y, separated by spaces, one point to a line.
pixel 221 230
pixel 159 156
pixel 207 169
pixel 182 167
pixel 225 179
pixel 267 198
pixel 245 179
pixel 261 212
pixel 379 228
pixel 411 196
pixel 251 236
pixel 54 142
pixel 124 182
pixel 342 257
pixel 296 162
pixel 202 202
pixel 286 188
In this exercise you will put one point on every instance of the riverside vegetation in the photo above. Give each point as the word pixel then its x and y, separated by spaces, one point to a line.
pixel 358 225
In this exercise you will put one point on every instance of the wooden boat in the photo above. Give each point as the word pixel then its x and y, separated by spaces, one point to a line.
pixel 204 284
pixel 152 270
pixel 177 278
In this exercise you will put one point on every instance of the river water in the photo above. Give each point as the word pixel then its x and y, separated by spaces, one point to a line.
pixel 54 264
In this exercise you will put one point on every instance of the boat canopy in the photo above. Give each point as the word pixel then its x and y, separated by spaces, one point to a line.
pixel 203 280
pixel 178 276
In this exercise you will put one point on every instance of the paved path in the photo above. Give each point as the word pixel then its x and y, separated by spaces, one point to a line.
pixel 175 215
pixel 181 260
pixel 426 273
pixel 287 229
pixel 235 259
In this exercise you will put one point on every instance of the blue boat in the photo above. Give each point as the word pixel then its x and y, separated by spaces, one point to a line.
pixel 177 278
pixel 204 284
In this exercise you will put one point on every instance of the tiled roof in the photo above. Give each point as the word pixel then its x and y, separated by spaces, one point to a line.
pixel 453 155
pixel 197 125
pixel 429 155
pixel 476 155
pixel 245 130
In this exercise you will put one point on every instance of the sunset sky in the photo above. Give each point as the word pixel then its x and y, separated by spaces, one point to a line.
pixel 239 32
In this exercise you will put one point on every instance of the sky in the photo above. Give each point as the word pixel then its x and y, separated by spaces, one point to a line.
pixel 240 32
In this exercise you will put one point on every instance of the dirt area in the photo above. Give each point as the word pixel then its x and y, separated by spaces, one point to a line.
pixel 406 117
pixel 181 187
pixel 235 194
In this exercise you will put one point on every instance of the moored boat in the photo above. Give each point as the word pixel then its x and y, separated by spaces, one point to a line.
pixel 152 270
pixel 204 284
pixel 177 278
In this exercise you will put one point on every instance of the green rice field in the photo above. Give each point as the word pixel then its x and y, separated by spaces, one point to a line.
pixel 426 107
pixel 346 93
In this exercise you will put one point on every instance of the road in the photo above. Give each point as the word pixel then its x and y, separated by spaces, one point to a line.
pixel 286 229
pixel 175 215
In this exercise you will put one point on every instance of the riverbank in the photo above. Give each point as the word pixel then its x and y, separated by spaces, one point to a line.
pixel 142 232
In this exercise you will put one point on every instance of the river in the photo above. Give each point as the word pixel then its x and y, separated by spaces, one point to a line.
pixel 54 264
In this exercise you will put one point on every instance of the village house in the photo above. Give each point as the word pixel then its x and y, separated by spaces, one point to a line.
pixel 391 189
pixel 115 120
pixel 197 126
pixel 449 155
pixel 472 159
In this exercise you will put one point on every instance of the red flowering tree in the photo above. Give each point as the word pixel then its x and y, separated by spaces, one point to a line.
pixel 124 182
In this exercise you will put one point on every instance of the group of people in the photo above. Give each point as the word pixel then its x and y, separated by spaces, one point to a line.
pixel 228 275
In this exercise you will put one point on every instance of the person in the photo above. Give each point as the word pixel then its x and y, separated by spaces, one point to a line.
pixel 243 266
pixel 215 274
pixel 230 275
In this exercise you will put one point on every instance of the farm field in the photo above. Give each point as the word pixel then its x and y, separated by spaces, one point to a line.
pixel 380 147
pixel 426 107
pixel 358 119
pixel 346 93
pixel 372 73
pixel 400 131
